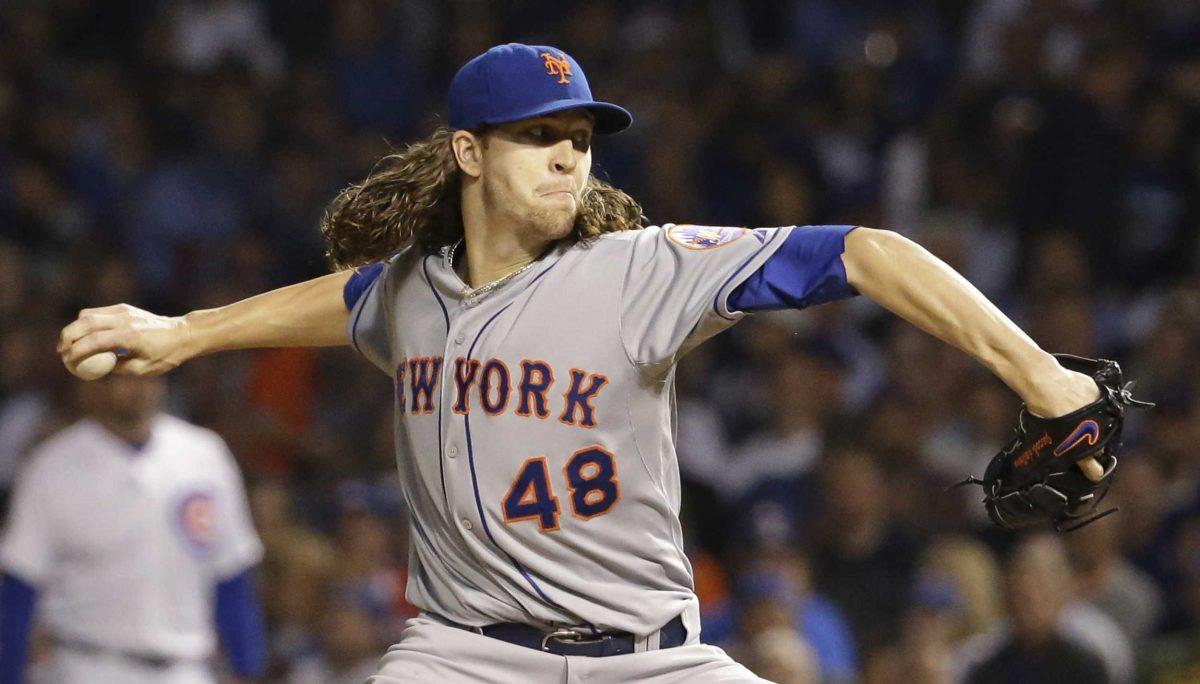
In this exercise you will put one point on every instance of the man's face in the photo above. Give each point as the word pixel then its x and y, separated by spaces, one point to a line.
pixel 534 171
pixel 1038 582
pixel 124 400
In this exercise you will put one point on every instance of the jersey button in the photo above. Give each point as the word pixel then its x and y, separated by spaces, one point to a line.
pixel 466 524
pixel 451 451
pixel 460 338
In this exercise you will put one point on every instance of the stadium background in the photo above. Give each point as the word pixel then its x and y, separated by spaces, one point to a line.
pixel 177 155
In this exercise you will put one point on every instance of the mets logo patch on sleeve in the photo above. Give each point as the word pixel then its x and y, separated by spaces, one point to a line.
pixel 197 520
pixel 704 237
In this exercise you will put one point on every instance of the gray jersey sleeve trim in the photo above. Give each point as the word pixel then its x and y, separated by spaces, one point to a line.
pixel 362 301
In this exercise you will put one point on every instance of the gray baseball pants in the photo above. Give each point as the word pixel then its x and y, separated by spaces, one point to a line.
pixel 430 651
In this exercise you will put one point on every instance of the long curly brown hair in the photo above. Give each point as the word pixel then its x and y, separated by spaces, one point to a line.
pixel 414 196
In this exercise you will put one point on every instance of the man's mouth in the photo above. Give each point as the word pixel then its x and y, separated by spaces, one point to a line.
pixel 557 189
pixel 558 194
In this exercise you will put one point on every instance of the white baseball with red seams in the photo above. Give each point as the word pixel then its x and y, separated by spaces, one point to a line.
pixel 95 366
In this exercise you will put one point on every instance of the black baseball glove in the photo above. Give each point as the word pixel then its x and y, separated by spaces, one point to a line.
pixel 1034 479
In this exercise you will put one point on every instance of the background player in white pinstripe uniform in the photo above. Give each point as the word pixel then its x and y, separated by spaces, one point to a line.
pixel 130 531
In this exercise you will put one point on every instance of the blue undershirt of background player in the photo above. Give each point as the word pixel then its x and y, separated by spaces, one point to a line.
pixel 238 617
pixel 806 270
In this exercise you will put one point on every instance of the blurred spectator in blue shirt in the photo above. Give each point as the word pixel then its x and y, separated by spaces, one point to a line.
pixel 776 591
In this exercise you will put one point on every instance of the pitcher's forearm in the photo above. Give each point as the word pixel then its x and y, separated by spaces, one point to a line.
pixel 308 314
pixel 907 280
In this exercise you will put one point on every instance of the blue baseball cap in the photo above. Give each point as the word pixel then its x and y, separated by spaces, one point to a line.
pixel 514 81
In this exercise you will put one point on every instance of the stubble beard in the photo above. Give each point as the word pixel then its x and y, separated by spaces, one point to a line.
pixel 537 223
pixel 543 226
pixel 552 224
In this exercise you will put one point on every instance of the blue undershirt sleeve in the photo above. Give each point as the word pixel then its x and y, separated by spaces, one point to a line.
pixel 17 601
pixel 240 623
pixel 359 282
pixel 806 270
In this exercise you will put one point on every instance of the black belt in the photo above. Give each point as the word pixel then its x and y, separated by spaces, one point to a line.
pixel 569 642
pixel 148 660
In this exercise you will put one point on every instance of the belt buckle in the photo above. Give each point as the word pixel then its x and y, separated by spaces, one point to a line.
pixel 569 636
pixel 154 661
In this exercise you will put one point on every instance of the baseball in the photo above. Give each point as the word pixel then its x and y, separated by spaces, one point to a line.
pixel 95 366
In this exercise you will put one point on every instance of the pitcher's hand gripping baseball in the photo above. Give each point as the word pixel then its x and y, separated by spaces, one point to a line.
pixel 307 314
pixel 1036 477
pixel 122 339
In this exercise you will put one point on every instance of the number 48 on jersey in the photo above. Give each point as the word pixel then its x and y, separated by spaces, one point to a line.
pixel 591 479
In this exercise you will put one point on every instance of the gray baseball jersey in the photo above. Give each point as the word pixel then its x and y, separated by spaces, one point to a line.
pixel 534 425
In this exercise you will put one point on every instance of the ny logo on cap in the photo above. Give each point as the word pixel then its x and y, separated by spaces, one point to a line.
pixel 557 66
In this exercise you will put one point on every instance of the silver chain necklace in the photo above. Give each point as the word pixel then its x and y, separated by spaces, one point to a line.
pixel 468 292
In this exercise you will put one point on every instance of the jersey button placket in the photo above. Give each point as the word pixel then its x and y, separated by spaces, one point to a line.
pixel 454 341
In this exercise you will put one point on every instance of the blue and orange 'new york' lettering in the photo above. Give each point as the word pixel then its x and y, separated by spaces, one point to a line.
pixel 494 375
pixel 401 403
pixel 423 375
pixel 419 388
pixel 579 400
pixel 536 378
pixel 465 371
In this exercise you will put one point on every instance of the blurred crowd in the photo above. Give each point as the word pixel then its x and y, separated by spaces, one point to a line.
pixel 177 154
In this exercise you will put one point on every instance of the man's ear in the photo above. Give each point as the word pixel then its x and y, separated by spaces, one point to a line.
pixel 468 152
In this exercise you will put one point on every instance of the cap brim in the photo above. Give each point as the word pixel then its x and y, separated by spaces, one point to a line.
pixel 610 118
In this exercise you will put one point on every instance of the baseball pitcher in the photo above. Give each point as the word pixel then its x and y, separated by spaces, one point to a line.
pixel 532 326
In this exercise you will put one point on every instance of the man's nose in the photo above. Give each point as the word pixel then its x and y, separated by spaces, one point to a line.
pixel 562 156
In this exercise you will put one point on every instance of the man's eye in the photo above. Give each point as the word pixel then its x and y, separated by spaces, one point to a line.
pixel 537 132
pixel 581 141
